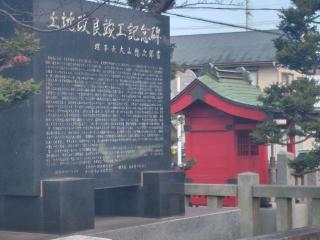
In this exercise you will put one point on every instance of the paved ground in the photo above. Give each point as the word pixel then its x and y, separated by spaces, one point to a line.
pixel 103 224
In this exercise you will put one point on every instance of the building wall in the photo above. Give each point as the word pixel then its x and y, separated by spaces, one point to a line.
pixel 267 75
pixel 185 79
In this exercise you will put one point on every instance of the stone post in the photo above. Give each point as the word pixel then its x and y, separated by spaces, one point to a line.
pixel 186 201
pixel 284 205
pixel 315 213
pixel 283 171
pixel 249 206
pixel 214 202
pixel 313 204
pixel 284 214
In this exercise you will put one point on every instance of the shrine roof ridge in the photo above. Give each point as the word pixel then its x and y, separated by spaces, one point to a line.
pixel 233 85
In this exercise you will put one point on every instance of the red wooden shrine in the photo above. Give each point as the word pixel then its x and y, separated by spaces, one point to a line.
pixel 217 128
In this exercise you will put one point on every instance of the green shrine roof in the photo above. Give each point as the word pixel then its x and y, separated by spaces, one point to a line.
pixel 232 85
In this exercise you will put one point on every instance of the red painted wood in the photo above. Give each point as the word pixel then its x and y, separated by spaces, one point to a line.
pixel 212 126
pixel 291 147
pixel 184 100
pixel 181 103
pixel 244 126
pixel 234 109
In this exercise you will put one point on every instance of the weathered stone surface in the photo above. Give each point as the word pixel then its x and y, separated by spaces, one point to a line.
pixel 283 171
pixel 223 190
pixel 249 206
pixel 198 223
pixel 81 237
pixel 284 214
pixel 306 233
pixel 103 110
pixel 163 194
pixel 284 191
pixel 68 205
pixel 208 225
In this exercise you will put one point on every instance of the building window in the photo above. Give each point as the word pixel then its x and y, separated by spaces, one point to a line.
pixel 253 77
pixel 246 146
pixel 286 78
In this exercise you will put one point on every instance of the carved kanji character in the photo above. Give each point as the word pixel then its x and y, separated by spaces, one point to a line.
pixel 144 31
pixel 108 28
pixel 83 24
pixel 155 34
pixel 54 21
pixel 132 32
pixel 96 27
pixel 120 32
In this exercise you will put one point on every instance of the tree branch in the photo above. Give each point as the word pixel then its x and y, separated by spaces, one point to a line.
pixel 300 141
pixel 18 22
pixel 305 172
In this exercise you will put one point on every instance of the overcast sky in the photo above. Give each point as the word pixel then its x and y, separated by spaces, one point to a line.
pixel 258 19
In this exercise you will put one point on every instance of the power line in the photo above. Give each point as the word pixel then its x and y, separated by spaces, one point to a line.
pixel 15 20
pixel 204 2
pixel 194 6
pixel 223 23
pixel 86 16
pixel 248 14
pixel 211 26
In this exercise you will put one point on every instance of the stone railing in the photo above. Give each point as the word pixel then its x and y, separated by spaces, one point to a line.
pixel 249 192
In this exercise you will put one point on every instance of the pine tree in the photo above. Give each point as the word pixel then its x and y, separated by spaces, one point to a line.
pixel 14 51
pixel 297 49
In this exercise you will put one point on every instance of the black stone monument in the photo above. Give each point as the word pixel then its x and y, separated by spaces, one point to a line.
pixel 96 139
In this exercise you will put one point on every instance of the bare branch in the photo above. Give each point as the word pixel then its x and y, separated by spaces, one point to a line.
pixel 20 23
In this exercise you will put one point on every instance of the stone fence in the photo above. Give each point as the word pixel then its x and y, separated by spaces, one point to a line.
pixel 249 192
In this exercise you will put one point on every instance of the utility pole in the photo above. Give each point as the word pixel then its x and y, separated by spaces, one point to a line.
pixel 248 14
pixel 179 127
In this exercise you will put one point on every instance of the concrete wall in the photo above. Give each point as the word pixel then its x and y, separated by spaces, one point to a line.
pixel 222 225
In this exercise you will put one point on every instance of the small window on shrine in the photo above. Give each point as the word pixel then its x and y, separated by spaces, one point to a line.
pixel 254 148
pixel 246 146
pixel 243 144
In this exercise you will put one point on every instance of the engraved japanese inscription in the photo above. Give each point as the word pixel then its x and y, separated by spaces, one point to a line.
pixel 93 106
pixel 106 91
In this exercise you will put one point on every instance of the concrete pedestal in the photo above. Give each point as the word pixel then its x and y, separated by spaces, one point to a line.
pixel 161 194
pixel 66 205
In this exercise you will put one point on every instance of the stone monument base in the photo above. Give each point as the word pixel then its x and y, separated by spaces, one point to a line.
pixel 66 205
pixel 161 194
pixel 69 204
